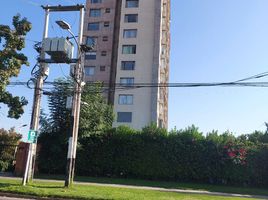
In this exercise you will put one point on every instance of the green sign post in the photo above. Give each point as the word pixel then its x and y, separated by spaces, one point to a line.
pixel 32 136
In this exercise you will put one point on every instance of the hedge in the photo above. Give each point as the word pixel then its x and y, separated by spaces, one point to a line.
pixel 184 155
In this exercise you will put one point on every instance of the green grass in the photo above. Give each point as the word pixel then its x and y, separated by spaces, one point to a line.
pixel 168 185
pixel 48 189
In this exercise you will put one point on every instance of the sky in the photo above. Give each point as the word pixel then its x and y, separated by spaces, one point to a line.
pixel 211 41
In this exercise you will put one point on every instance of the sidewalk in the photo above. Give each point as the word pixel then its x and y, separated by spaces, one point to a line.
pixel 152 188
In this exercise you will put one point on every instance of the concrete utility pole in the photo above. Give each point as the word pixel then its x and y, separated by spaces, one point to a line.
pixel 78 76
pixel 29 169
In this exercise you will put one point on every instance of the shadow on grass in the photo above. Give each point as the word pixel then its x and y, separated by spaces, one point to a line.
pixel 5 185
pixel 48 186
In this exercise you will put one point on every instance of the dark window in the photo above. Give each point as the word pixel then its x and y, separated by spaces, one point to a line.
pixel 93 26
pixel 102 68
pixel 128 65
pixel 95 1
pixel 131 18
pixel 103 53
pixel 107 10
pixel 124 117
pixel 129 49
pixel 132 3
pixel 90 55
pixel 106 24
pixel 105 38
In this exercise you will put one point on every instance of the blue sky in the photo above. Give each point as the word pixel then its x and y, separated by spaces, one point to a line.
pixel 212 41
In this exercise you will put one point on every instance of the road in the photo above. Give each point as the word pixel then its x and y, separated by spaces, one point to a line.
pixel 13 198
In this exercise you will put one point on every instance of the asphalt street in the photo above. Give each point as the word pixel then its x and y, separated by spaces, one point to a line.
pixel 13 198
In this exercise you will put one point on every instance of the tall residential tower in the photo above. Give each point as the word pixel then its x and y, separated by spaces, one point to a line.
pixel 132 40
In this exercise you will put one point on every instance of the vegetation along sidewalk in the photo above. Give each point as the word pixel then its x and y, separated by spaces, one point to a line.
pixel 87 190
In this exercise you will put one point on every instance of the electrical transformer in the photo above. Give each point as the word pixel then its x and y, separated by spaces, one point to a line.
pixel 60 49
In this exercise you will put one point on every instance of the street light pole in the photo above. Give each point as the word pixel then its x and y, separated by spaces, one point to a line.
pixel 78 76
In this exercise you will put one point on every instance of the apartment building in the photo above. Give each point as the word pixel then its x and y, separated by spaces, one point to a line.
pixel 132 39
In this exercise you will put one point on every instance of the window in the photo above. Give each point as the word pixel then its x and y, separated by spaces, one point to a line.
pixel 95 12
pixel 107 10
pixel 124 117
pixel 128 65
pixel 105 38
pixel 95 1
pixel 90 70
pixel 131 18
pixel 129 49
pixel 102 68
pixel 104 53
pixel 106 24
pixel 93 26
pixel 91 55
pixel 128 81
pixel 132 3
pixel 91 41
pixel 125 99
pixel 130 33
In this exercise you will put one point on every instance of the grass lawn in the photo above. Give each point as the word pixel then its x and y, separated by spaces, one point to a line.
pixel 168 185
pixel 46 189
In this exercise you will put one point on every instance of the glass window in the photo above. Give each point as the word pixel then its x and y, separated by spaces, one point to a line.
pixel 91 41
pixel 95 12
pixel 95 1
pixel 132 3
pixel 129 49
pixel 91 55
pixel 89 70
pixel 128 65
pixel 127 81
pixel 130 33
pixel 131 18
pixel 125 99
pixel 124 117
pixel 93 26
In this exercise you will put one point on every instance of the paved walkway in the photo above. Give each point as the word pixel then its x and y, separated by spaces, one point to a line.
pixel 155 189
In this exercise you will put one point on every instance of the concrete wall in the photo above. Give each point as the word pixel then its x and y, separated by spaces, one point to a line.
pixel 144 58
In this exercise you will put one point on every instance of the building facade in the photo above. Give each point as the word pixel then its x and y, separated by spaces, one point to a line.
pixel 132 45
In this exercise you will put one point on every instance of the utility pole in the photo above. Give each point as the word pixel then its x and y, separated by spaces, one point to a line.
pixel 78 75
pixel 59 54
pixel 29 169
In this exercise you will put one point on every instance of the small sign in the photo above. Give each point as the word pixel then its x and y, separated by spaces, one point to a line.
pixel 32 136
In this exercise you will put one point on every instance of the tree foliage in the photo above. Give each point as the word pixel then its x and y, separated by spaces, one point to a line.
pixel 96 116
pixel 8 142
pixel 11 60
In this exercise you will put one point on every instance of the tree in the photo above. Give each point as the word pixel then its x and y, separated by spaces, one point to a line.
pixel 11 60
pixel 8 142
pixel 96 115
